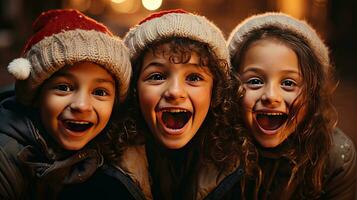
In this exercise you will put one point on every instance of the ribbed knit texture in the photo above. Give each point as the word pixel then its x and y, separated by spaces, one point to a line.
pixel 65 37
pixel 70 47
pixel 283 22
pixel 184 25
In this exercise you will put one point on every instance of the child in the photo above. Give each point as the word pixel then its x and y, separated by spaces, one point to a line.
pixel 287 78
pixel 73 74
pixel 181 94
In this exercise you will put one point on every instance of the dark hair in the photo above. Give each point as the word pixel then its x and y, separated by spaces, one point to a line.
pixel 312 138
pixel 219 139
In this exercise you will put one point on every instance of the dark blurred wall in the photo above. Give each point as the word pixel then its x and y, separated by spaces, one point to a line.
pixel 342 39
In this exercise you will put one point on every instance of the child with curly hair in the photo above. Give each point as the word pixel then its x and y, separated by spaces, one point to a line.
pixel 187 143
pixel 286 108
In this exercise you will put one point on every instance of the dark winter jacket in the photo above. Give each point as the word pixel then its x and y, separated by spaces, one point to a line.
pixel 133 171
pixel 32 166
pixel 340 174
pixel 130 178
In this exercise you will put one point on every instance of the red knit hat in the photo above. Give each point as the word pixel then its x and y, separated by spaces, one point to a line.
pixel 65 37
pixel 176 23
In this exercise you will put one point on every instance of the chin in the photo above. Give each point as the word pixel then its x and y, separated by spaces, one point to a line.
pixel 268 143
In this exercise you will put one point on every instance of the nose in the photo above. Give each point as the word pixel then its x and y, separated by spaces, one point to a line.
pixel 175 90
pixel 272 95
pixel 81 102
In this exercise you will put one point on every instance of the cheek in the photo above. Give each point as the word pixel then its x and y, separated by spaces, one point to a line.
pixel 50 109
pixel 290 97
pixel 147 102
pixel 202 99
pixel 50 106
pixel 147 97
pixel 249 99
pixel 247 103
pixel 105 110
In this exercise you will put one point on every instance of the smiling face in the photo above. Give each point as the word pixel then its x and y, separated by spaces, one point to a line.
pixel 76 103
pixel 174 98
pixel 272 82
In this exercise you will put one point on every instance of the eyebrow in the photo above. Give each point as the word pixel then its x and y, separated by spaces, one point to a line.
pixel 154 63
pixel 104 80
pixel 255 69
pixel 69 75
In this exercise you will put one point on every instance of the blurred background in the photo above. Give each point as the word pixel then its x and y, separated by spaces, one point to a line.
pixel 335 20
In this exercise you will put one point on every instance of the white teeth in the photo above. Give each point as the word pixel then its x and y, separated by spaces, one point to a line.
pixel 77 122
pixel 272 113
pixel 174 110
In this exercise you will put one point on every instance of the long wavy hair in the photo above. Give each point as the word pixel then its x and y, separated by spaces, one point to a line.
pixel 220 134
pixel 311 140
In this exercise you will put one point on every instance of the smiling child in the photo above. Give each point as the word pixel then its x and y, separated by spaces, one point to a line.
pixel 288 81
pixel 72 76
pixel 188 145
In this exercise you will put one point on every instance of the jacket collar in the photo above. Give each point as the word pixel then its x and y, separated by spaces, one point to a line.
pixel 134 163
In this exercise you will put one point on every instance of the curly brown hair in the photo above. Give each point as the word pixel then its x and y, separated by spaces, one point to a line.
pixel 312 138
pixel 220 134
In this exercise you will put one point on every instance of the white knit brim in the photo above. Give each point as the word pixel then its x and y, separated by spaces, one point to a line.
pixel 70 47
pixel 184 25
pixel 284 22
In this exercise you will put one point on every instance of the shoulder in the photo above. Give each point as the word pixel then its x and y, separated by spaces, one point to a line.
pixel 16 129
pixel 15 122
pixel 342 158
pixel 343 151
pixel 340 175
pixel 12 130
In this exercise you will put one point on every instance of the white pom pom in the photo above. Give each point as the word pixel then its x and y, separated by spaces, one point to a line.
pixel 20 68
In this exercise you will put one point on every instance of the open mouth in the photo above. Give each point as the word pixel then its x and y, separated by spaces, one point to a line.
pixel 175 118
pixel 77 126
pixel 271 121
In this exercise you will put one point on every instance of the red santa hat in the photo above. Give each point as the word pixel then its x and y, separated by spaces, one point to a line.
pixel 62 38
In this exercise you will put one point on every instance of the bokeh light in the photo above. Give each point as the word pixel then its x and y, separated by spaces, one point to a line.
pixel 125 6
pixel 152 4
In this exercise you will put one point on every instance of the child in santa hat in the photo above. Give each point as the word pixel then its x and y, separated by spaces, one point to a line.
pixel 187 144
pixel 71 78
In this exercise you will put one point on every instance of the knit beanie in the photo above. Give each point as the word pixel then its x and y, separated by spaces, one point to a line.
pixel 175 23
pixel 280 21
pixel 65 37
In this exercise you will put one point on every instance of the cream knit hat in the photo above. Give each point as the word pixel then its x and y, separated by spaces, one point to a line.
pixel 65 37
pixel 285 23
pixel 175 23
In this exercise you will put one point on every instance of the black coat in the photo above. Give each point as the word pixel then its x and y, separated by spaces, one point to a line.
pixel 130 179
pixel 32 166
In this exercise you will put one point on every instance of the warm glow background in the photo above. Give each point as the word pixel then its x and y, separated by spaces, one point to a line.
pixel 335 20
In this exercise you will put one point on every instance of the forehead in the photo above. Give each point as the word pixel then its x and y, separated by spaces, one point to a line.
pixel 270 54
pixel 84 70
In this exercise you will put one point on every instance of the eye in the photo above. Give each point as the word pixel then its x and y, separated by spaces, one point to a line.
pixel 64 87
pixel 288 84
pixel 194 78
pixel 156 77
pixel 254 83
pixel 100 92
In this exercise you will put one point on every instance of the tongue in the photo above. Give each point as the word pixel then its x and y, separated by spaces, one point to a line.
pixel 270 122
pixel 174 120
